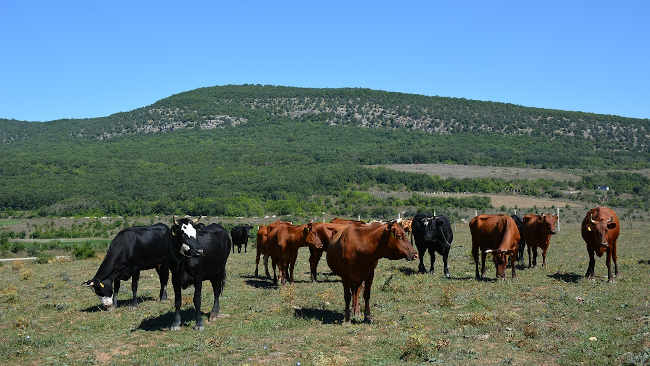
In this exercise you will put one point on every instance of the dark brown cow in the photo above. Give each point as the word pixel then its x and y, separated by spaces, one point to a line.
pixel 284 240
pixel 536 231
pixel 353 254
pixel 600 229
pixel 496 234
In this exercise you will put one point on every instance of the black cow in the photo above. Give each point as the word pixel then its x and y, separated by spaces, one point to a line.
pixel 197 256
pixel 131 251
pixel 432 233
pixel 522 242
pixel 239 235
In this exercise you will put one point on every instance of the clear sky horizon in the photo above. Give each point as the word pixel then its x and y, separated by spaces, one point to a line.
pixel 79 59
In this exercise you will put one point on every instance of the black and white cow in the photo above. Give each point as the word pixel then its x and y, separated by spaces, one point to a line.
pixel 432 233
pixel 131 251
pixel 197 256
pixel 239 235
pixel 522 242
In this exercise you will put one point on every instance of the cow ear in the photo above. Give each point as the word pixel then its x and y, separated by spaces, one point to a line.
pixel 611 225
pixel 174 220
pixel 196 221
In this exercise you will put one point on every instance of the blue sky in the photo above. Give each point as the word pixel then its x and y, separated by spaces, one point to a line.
pixel 90 58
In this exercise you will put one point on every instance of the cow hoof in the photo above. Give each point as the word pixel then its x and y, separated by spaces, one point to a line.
pixel 611 280
pixel 448 275
pixel 199 327
pixel 212 317
pixel 368 320
pixel 163 297
pixel 175 327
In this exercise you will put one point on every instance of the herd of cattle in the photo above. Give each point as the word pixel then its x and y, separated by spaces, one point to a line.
pixel 194 252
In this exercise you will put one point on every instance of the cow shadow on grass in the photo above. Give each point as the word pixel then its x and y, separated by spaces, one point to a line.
pixel 410 271
pixel 164 321
pixel 325 316
pixel 120 304
pixel 568 277
pixel 261 283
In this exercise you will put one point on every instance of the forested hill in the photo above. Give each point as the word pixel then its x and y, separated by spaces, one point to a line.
pixel 221 106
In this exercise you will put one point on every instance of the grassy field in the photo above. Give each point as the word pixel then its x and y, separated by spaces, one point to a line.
pixel 544 317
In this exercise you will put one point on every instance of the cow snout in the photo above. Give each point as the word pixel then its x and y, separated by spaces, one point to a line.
pixel 412 256
pixel 605 244
pixel 107 301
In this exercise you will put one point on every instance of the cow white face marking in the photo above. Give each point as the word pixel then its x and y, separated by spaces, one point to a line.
pixel 107 301
pixel 184 248
pixel 189 230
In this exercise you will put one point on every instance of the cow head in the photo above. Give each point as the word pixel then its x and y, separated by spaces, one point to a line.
pixel 184 237
pixel 103 289
pixel 311 237
pixel 398 246
pixel 500 258
pixel 600 228
pixel 550 223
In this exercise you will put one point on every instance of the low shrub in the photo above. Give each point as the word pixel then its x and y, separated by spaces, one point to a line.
pixel 83 251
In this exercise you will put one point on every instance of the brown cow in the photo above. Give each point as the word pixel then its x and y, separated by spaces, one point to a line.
pixel 353 254
pixel 325 234
pixel 600 229
pixel 284 240
pixel 496 234
pixel 263 247
pixel 536 231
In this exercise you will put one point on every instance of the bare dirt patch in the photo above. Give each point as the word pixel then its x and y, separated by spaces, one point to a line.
pixel 476 171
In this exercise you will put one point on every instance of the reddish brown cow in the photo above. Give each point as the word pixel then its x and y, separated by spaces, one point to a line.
pixel 283 244
pixel 263 247
pixel 353 254
pixel 496 234
pixel 536 232
pixel 600 229
pixel 325 234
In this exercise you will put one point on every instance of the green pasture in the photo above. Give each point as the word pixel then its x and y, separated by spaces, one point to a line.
pixel 549 316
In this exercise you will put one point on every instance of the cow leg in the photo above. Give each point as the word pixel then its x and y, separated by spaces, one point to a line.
pixel 513 258
pixel 475 256
pixel 521 253
pixel 444 261
pixel 245 245
pixel 347 295
pixel 292 265
pixel 176 324
pixel 592 263
pixel 314 258
pixel 266 267
pixel 163 275
pixel 239 248
pixel 608 262
pixel 483 255
pixel 356 309
pixel 366 298
pixel 134 287
pixel 614 258
pixel 530 257
pixel 257 262
pixel 421 252
pixel 116 290
pixel 217 287
pixel 544 257
pixel 233 248
pixel 197 304
pixel 432 255
pixel 275 277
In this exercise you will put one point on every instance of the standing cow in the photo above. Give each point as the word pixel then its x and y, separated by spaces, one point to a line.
pixel 600 229
pixel 536 232
pixel 284 240
pixel 353 254
pixel 239 235
pixel 131 251
pixel 496 234
pixel 197 256
pixel 432 233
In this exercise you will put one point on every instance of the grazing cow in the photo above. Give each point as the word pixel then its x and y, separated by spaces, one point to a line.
pixel 284 240
pixel 354 252
pixel 432 233
pixel 522 243
pixel 600 229
pixel 536 232
pixel 496 234
pixel 197 256
pixel 131 251
pixel 239 235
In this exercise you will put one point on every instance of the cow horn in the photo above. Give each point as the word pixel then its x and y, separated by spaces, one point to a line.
pixel 174 220
pixel 489 251
pixel 89 283
pixel 591 219
pixel 196 221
